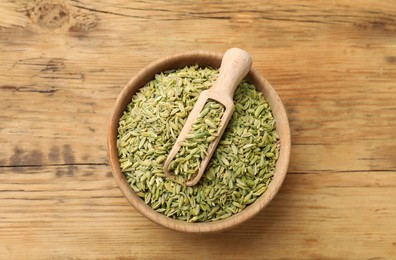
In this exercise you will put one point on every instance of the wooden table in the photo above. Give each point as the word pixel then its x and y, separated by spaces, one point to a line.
pixel 63 64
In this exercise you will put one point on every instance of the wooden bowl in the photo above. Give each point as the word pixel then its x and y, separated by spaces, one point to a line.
pixel 204 59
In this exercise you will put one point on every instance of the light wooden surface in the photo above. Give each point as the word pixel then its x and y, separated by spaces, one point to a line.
pixel 63 64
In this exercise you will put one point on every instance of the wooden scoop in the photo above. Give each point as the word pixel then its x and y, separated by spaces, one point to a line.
pixel 235 64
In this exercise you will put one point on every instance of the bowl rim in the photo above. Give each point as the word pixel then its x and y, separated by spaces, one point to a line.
pixel 202 58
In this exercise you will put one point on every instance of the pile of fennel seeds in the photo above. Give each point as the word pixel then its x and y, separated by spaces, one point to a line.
pixel 240 170
pixel 195 147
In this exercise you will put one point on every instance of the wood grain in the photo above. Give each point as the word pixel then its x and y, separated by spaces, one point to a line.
pixel 63 63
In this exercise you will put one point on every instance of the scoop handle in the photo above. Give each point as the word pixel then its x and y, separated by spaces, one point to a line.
pixel 235 64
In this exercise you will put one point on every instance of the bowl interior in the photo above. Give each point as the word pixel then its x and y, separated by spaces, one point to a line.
pixel 204 59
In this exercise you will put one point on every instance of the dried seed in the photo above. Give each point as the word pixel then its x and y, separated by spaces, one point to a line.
pixel 259 109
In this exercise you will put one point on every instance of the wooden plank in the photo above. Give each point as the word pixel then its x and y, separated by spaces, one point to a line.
pixel 56 212
pixel 70 95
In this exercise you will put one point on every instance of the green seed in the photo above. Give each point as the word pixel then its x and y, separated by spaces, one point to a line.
pixel 160 159
pixel 269 154
pixel 259 109
pixel 210 123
